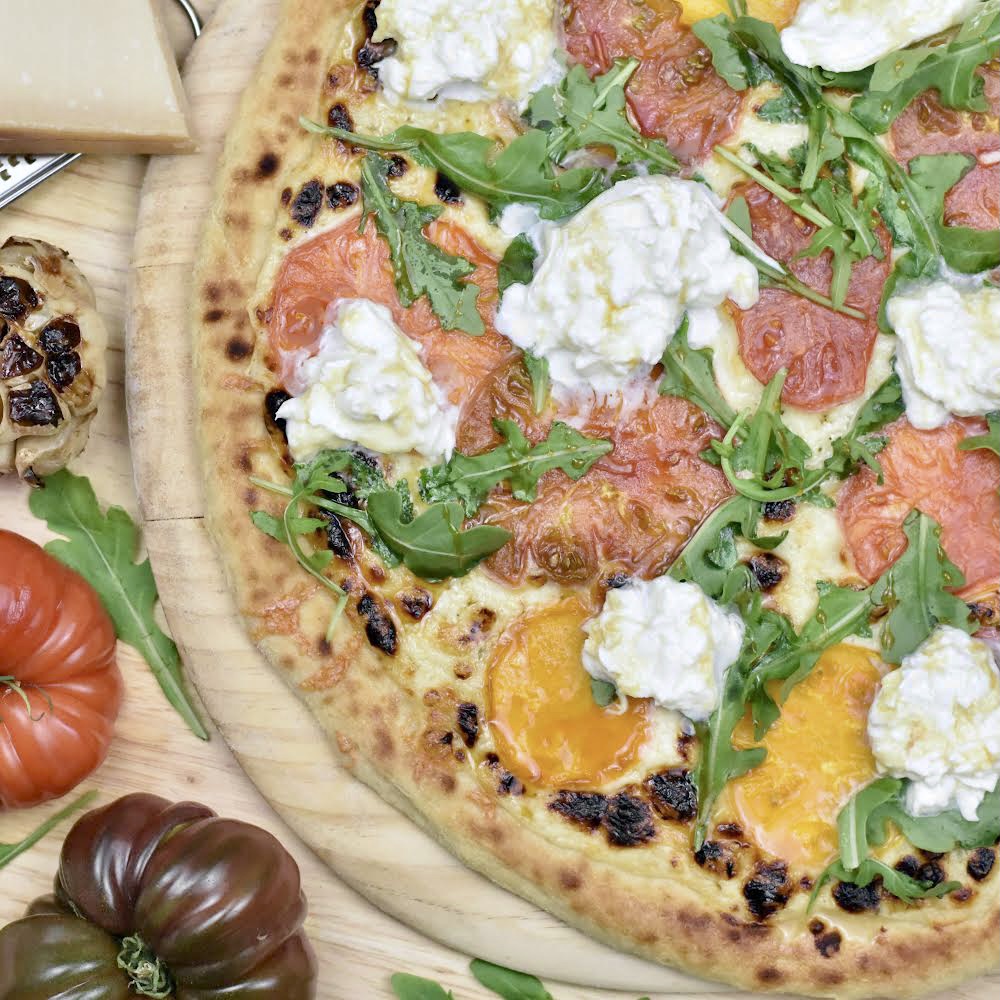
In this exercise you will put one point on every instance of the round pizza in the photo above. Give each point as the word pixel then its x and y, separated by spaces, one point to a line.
pixel 599 410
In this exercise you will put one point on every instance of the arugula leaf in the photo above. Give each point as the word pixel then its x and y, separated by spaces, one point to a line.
pixel 990 441
pixel 861 443
pixel 420 267
pixel 603 692
pixel 917 590
pixel 507 983
pixel 433 545
pixel 729 57
pixel 949 69
pixel 538 372
pixel 407 987
pixel 690 374
pixel 517 266
pixel 520 173
pixel 10 851
pixel 101 548
pixel 783 109
pixel 470 479
pixel 581 112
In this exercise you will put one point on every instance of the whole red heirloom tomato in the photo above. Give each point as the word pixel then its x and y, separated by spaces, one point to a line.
pixel 60 688
pixel 163 899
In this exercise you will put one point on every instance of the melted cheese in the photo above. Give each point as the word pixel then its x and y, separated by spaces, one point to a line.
pixel 546 726
pixel 817 758
pixel 778 12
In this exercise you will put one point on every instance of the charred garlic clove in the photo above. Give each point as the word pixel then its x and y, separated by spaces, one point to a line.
pixel 52 370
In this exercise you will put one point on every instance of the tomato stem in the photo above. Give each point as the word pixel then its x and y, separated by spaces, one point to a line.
pixel 150 977
pixel 15 685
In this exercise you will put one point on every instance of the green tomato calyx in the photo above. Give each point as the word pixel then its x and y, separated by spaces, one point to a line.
pixel 148 975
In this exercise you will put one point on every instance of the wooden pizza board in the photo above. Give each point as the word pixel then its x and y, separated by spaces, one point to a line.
pixel 375 849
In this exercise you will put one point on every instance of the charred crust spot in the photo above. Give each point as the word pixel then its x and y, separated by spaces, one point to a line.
pixel 237 349
pixel 337 539
pixel 34 406
pixel 769 974
pixel 857 899
pixel 673 795
pixel 508 784
pixel 63 368
pixel 985 613
pixel 384 746
pixel 446 190
pixel 17 358
pixel 717 858
pixel 962 895
pixel 267 166
pixel 587 809
pixel 616 581
pixel 768 889
pixel 308 203
pixel 323 646
pixel 339 117
pixel 368 18
pixel 273 402
pixel 286 196
pixel 778 510
pixel 468 723
pixel 286 234
pixel 398 165
pixel 816 926
pixel 447 738
pixel 60 337
pixel 379 628
pixel 684 743
pixel 981 863
pixel 481 624
pixel 732 831
pixel 448 783
pixel 827 942
pixel 628 821
pixel 569 879
pixel 416 603
pixel 341 195
pixel 17 298
pixel 214 315
pixel 767 570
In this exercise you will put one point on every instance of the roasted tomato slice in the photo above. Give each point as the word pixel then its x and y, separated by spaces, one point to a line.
pixel 826 353
pixel 926 470
pixel 630 514
pixel 675 93
pixel 343 263
pixel 927 127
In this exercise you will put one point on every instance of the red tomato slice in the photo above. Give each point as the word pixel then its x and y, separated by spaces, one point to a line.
pixel 826 353
pixel 926 127
pixel 633 510
pixel 675 94
pixel 343 263
pixel 926 470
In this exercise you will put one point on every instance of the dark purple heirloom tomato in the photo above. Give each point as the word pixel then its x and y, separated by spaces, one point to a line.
pixel 163 900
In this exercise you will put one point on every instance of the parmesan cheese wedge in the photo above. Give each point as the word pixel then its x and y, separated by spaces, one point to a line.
pixel 89 76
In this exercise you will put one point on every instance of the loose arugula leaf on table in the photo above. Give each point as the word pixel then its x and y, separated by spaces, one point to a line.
pixel 917 588
pixel 407 987
pixel 538 372
pixel 582 112
pixel 433 545
pixel 10 851
pixel 517 266
pixel 470 479
pixel 990 441
pixel 420 267
pixel 861 443
pixel 521 173
pixel 949 69
pixel 508 983
pixel 690 374
pixel 101 548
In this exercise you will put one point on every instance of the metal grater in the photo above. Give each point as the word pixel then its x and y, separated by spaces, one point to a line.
pixel 19 174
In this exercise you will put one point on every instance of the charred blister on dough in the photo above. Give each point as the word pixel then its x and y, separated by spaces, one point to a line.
pixel 369 54
pixel 308 203
pixel 52 366
pixel 507 783
pixel 467 716
pixel 341 195
pixel 379 627
pixel 416 603
pixel 587 809
pixel 778 510
pixel 985 610
pixel 856 898
pixel 482 621
pixel 628 821
pixel 273 402
pixel 980 863
pixel 827 941
pixel 339 117
pixel 922 870
pixel 718 858
pixel 446 190
pixel 767 570
pixel 767 890
pixel 337 539
pixel 673 794
pixel 616 581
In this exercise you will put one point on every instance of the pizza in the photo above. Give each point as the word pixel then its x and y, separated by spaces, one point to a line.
pixel 598 409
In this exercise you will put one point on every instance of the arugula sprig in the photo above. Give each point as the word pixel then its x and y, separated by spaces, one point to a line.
pixel 690 374
pixel 101 547
pixel 990 441
pixel 862 442
pixel 521 173
pixel 420 267
pixel 580 113
pixel 469 479
pixel 10 851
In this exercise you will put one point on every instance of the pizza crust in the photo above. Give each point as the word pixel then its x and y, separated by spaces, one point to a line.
pixel 652 900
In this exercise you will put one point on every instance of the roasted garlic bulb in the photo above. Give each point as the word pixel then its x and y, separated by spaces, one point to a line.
pixel 52 369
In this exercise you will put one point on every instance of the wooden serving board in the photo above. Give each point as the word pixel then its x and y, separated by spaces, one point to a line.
pixel 383 855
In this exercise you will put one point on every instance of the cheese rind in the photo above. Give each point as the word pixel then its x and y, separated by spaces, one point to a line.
pixel 90 76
